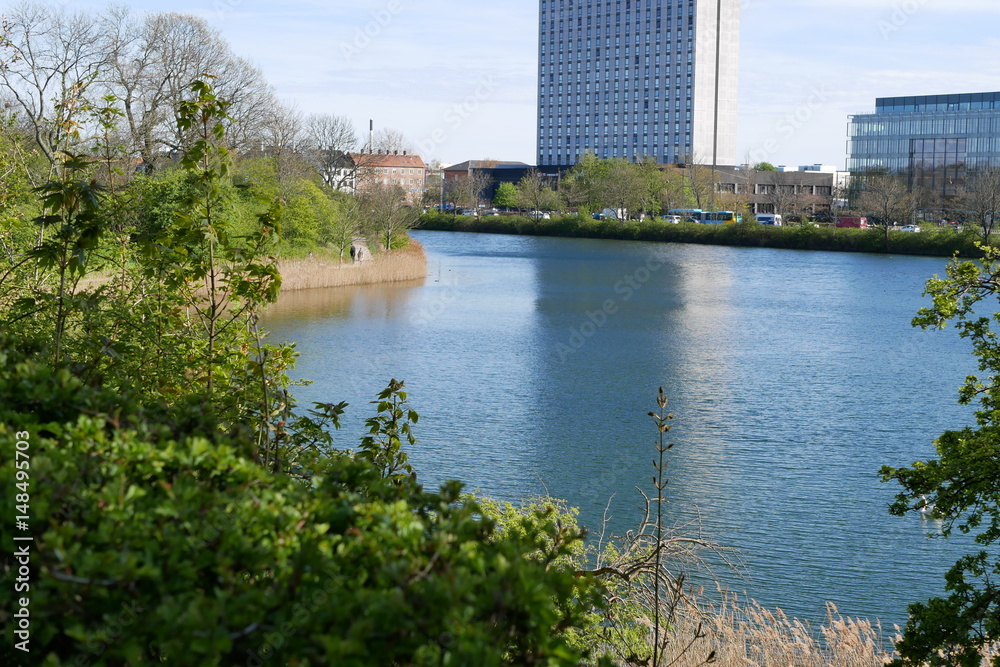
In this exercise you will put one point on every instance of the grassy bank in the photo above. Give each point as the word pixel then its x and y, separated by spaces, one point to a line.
pixel 943 243
pixel 409 263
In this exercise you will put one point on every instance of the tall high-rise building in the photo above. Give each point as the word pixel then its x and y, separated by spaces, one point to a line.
pixel 637 79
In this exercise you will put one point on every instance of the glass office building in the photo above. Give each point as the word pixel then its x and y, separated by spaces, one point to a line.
pixel 934 140
pixel 637 79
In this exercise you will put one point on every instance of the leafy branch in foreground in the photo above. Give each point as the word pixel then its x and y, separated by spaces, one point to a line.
pixel 383 446
pixel 962 484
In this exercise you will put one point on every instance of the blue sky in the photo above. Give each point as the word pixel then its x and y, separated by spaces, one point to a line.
pixel 458 78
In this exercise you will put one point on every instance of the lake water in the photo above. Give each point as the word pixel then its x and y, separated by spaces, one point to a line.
pixel 793 377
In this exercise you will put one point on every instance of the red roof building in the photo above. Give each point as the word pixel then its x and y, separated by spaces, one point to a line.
pixel 396 168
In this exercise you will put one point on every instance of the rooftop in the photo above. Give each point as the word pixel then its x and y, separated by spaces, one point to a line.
pixel 386 159
pixel 487 164
pixel 927 103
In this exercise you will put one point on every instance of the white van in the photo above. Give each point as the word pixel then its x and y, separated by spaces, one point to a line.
pixel 769 219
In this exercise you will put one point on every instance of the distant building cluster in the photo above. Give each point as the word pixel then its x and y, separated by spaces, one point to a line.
pixel 657 80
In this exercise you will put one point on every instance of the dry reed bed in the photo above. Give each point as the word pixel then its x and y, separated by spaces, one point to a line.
pixel 745 634
pixel 401 265
pixel 404 264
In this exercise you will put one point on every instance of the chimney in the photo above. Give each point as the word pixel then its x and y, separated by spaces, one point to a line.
pixel 395 152
pixel 404 152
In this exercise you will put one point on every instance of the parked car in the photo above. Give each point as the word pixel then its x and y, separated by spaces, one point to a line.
pixel 909 228
pixel 673 219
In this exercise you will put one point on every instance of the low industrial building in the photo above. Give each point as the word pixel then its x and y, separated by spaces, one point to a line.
pixel 802 193
pixel 497 171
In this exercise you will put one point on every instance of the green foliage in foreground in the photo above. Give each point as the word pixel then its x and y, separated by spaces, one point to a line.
pixel 943 242
pixel 963 484
pixel 156 542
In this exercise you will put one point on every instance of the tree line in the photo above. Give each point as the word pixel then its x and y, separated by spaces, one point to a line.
pixel 632 190
pixel 59 63
pixel 889 199
pixel 108 86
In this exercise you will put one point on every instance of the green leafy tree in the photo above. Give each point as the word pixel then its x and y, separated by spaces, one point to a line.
pixel 622 187
pixel 345 224
pixel 671 189
pixel 75 222
pixel 383 446
pixel 963 484
pixel 306 207
pixel 653 185
pixel 582 186
pixel 506 196
pixel 225 277
pixel 629 188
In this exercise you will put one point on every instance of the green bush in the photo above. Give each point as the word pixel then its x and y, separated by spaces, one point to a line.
pixel 159 542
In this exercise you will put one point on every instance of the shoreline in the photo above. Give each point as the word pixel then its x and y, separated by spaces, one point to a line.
pixel 401 265
pixel 934 243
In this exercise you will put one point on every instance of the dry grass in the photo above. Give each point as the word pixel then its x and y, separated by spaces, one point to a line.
pixel 401 265
pixel 748 634
pixel 745 634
